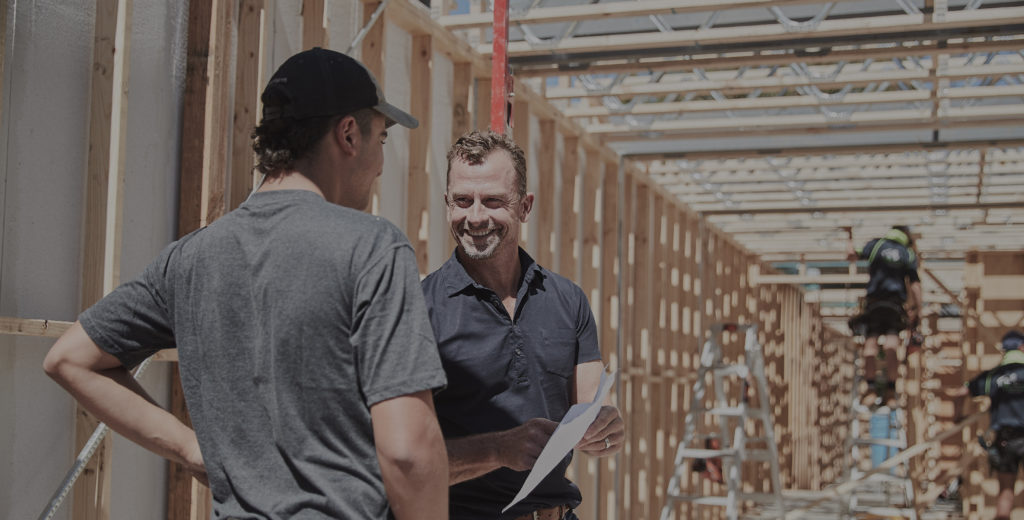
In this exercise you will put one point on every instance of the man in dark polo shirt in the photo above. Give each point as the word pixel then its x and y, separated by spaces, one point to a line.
pixel 1004 385
pixel 892 303
pixel 518 344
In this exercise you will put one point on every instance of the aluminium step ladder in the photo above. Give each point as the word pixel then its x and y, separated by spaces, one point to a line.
pixel 732 421
pixel 889 495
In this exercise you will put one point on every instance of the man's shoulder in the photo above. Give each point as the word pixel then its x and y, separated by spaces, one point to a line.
pixel 355 230
pixel 555 277
pixel 433 280
pixel 434 283
pixel 559 283
pixel 1007 377
pixel 360 221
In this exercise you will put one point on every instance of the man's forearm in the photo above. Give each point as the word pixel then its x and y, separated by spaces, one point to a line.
pixel 914 303
pixel 516 449
pixel 471 457
pixel 107 390
pixel 851 250
pixel 915 291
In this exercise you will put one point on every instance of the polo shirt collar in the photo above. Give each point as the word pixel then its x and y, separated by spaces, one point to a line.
pixel 456 279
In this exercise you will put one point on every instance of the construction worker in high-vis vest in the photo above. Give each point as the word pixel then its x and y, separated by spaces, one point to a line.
pixel 1004 441
pixel 892 304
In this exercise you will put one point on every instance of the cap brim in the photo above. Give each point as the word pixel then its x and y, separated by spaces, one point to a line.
pixel 396 115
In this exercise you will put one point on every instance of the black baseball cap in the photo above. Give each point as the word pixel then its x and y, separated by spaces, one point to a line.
pixel 322 82
pixel 1013 340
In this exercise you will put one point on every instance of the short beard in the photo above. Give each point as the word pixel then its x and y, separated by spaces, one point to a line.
pixel 466 244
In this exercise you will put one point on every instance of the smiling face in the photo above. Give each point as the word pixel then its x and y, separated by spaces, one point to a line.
pixel 485 209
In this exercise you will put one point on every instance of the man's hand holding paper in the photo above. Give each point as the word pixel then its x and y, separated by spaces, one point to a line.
pixel 580 420
pixel 605 435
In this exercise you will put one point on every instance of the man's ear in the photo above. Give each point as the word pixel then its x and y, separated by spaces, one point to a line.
pixel 348 135
pixel 525 206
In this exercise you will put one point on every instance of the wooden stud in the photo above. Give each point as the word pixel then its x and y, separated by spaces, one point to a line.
pixel 193 125
pixel 418 204
pixel 607 490
pixel 30 327
pixel 246 103
pixel 371 48
pixel 640 422
pixel 589 280
pixel 610 264
pixel 658 398
pixel 568 218
pixel 413 19
pixel 314 34
pixel 521 135
pixel 104 193
pixel 218 113
pixel 590 207
pixel 672 411
pixel 203 181
pixel 464 112
pixel 482 104
pixel 462 81
pixel 371 55
pixel 105 173
pixel 544 200
pixel 3 51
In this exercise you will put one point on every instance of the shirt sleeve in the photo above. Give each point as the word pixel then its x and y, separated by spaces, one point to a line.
pixel 912 266
pixel 586 332
pixel 865 251
pixel 977 386
pixel 133 321
pixel 396 353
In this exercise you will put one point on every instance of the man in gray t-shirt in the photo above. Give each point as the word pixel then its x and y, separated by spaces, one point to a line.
pixel 306 356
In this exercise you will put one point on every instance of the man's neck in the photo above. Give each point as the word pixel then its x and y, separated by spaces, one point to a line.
pixel 500 273
pixel 291 180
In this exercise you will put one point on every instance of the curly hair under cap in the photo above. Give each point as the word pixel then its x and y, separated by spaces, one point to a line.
pixel 278 143
pixel 474 148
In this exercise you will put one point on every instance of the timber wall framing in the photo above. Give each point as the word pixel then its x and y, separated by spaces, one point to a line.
pixel 656 273
pixel 994 286
pixel 88 96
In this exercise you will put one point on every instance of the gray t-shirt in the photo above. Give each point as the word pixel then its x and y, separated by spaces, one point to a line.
pixel 291 316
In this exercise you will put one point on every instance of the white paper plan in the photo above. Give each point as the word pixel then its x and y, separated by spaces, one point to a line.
pixel 568 433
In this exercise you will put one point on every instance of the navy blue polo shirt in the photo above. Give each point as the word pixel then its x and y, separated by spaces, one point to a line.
pixel 503 371
pixel 1005 386
pixel 889 265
